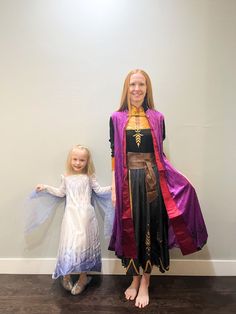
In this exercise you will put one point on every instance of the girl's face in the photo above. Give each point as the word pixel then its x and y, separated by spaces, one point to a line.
pixel 79 160
pixel 137 89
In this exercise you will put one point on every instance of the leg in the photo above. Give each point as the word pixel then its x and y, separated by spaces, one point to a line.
pixel 132 290
pixel 143 296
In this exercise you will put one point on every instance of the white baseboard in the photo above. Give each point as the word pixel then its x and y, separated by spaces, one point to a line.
pixel 112 266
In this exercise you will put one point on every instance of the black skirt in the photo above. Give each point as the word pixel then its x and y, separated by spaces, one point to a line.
pixel 150 226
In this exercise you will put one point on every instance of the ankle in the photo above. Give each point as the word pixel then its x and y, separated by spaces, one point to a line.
pixel 136 278
pixel 145 281
pixel 83 277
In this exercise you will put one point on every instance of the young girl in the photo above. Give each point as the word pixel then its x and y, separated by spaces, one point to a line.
pixel 79 247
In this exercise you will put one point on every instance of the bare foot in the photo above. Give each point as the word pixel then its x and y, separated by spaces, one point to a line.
pixel 143 296
pixel 132 290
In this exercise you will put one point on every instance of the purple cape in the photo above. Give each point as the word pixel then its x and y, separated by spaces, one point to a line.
pixel 187 229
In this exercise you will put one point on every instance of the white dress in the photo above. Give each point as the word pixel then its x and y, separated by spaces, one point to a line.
pixel 79 246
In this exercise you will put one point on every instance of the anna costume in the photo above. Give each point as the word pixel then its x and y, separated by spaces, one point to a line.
pixel 156 206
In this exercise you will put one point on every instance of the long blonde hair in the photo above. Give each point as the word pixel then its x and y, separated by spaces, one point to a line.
pixel 125 99
pixel 89 169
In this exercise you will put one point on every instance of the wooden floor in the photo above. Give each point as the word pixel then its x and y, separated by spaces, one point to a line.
pixel 168 294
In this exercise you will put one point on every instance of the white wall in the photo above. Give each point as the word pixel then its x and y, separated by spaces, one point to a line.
pixel 63 63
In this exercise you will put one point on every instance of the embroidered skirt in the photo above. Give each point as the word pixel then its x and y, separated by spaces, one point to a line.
pixel 149 216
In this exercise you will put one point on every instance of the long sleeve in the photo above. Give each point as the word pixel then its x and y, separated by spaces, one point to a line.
pixel 60 192
pixel 163 130
pixel 96 186
pixel 111 140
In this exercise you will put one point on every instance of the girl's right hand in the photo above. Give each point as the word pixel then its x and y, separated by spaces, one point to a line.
pixel 39 187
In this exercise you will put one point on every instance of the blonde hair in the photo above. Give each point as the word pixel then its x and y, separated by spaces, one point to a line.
pixel 89 168
pixel 125 99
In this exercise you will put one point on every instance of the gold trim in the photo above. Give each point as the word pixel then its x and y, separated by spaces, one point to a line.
pixel 148 263
pixel 162 266
pixel 130 196
pixel 148 241
pixel 138 137
pixel 135 268
pixel 137 121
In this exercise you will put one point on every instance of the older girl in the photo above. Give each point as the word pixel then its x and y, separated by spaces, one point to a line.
pixel 156 207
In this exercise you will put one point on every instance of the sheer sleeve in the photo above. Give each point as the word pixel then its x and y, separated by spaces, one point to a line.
pixel 60 192
pixel 96 186
pixel 101 199
pixel 39 206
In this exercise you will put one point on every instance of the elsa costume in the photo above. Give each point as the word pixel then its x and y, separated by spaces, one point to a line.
pixel 79 245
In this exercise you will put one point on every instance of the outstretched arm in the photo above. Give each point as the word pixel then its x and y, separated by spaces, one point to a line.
pixel 60 192
pixel 96 186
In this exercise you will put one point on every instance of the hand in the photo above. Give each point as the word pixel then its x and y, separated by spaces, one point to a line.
pixel 113 197
pixel 113 189
pixel 39 187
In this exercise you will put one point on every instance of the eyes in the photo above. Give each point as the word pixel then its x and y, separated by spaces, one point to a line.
pixel 137 84
pixel 81 160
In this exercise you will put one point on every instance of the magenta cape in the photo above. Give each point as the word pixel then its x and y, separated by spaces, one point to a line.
pixel 187 229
